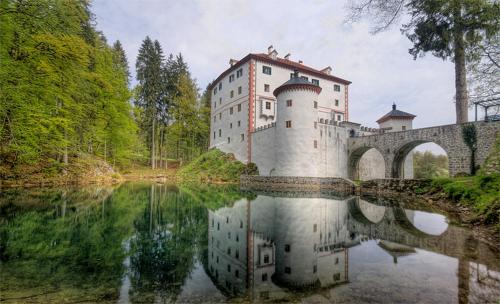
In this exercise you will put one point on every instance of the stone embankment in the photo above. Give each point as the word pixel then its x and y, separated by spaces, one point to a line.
pixel 250 182
pixel 392 186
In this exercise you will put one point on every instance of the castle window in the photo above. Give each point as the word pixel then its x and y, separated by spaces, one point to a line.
pixel 215 105
pixel 268 105
pixel 220 100
pixel 326 121
pixel 231 110
pixel 220 115
pixel 215 91
pixel 266 70
pixel 266 259
pixel 329 134
pixel 237 254
pixel 237 239
pixel 242 136
pixel 304 77
pixel 321 133
pixel 231 78
pixel 229 235
pixel 315 228
pixel 228 270
pixel 403 128
pixel 315 81
pixel 288 124
pixel 217 259
pixel 220 86
pixel 287 247
pixel 315 124
pixel 220 132
pixel 339 118
pixel 239 107
pixel 264 277
pixel 315 144
pixel 336 102
pixel 336 261
pixel 266 88
pixel 315 104
pixel 336 277
pixel 215 118
pixel 288 270
pixel 239 73
pixel 237 273
pixel 315 268
pixel 239 90
pixel 232 93
pixel 239 123
pixel 230 125
pixel 289 103
pixel 229 250
pixel 336 88
pixel 241 224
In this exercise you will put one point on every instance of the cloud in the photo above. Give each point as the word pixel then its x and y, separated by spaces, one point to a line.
pixel 210 32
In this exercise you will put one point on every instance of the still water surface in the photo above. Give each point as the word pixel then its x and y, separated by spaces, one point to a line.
pixel 151 243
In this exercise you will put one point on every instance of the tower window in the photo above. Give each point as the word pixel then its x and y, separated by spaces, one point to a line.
pixel 315 144
pixel 315 104
pixel 339 118
pixel 239 123
pixel 336 102
pixel 266 259
pixel 289 103
pixel 268 105
pixel 403 128
pixel 265 70
pixel 288 124
pixel 304 77
pixel 266 88
pixel 220 86
pixel 230 125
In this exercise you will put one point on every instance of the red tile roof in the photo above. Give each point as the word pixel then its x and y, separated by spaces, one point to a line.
pixel 280 62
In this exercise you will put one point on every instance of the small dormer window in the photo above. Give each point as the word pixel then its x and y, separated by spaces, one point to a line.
pixel 305 78
pixel 266 70
pixel 315 81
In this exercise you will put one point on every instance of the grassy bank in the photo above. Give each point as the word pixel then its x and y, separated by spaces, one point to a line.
pixel 480 193
pixel 215 166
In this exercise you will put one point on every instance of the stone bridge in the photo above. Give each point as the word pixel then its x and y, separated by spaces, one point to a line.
pixel 394 146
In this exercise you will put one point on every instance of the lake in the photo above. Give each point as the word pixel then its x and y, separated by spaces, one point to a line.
pixel 155 243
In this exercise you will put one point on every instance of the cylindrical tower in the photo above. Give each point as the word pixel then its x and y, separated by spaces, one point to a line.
pixel 297 144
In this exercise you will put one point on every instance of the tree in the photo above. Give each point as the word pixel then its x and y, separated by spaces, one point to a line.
pixel 151 90
pixel 446 28
pixel 120 59
pixel 484 71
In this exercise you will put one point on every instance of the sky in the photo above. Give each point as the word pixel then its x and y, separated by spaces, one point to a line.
pixel 210 32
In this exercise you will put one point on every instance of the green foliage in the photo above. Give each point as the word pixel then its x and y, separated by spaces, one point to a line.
pixel 428 165
pixel 63 90
pixel 469 136
pixel 214 165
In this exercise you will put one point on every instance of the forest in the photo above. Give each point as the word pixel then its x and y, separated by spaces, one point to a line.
pixel 66 92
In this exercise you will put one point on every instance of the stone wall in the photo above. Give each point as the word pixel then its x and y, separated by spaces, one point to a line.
pixel 390 186
pixel 395 146
pixel 296 183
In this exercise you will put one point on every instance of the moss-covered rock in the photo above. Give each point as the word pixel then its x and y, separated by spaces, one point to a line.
pixel 215 166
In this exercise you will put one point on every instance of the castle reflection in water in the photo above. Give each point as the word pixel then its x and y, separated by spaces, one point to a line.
pixel 265 247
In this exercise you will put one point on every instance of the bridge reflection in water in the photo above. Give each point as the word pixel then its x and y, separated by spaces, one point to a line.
pixel 273 248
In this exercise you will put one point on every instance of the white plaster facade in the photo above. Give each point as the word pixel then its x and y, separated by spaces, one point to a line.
pixel 248 120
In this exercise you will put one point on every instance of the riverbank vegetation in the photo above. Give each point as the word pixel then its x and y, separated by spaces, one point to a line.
pixel 429 165
pixel 65 94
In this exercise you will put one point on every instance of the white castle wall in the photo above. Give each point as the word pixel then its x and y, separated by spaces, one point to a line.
pixel 264 151
pixel 221 105
pixel 295 151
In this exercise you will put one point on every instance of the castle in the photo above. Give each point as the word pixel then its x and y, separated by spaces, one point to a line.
pixel 290 119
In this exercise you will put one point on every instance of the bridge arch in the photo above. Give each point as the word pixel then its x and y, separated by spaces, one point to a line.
pixel 397 166
pixel 356 156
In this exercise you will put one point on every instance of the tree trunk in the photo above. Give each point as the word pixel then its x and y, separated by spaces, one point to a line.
pixel 153 161
pixel 461 96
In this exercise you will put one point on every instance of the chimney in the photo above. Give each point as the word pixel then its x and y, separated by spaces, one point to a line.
pixel 287 56
pixel 394 106
pixel 270 49
pixel 327 70
pixel 300 61
pixel 232 62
